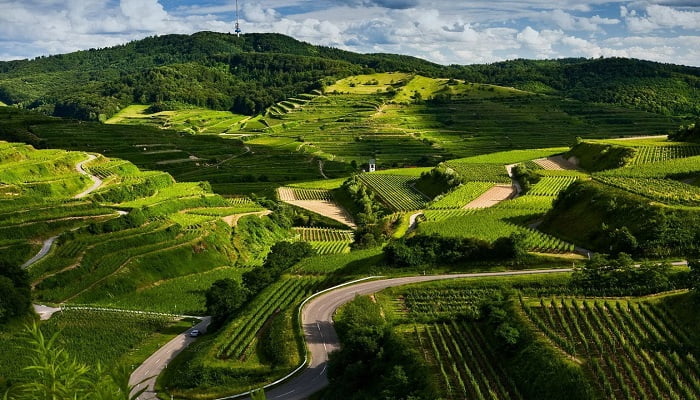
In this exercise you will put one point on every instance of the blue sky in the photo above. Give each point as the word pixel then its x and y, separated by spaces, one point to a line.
pixel 443 31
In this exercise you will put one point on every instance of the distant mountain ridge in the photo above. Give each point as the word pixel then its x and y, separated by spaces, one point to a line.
pixel 249 73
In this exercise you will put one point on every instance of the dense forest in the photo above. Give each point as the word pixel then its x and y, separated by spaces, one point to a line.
pixel 249 73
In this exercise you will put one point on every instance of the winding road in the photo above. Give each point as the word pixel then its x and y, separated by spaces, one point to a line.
pixel 145 375
pixel 321 338
pixel 45 248
pixel 96 182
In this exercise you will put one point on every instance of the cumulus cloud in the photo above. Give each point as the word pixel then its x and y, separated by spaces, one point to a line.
pixel 657 16
pixel 444 31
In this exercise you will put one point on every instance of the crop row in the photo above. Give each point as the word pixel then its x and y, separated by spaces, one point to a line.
pixel 489 224
pixel 445 302
pixel 634 351
pixel 471 172
pixel 461 196
pixel 324 235
pixel 465 362
pixel 663 190
pixel 323 248
pixel 395 191
pixel 652 154
pixel 551 186
pixel 312 194
pixel 240 335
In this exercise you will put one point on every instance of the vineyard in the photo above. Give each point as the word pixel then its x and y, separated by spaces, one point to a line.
pixel 292 194
pixel 472 172
pixel 551 186
pixel 663 190
pixel 461 196
pixel 653 154
pixel 326 241
pixel 463 359
pixel 238 339
pixel 396 191
pixel 631 350
pixel 490 224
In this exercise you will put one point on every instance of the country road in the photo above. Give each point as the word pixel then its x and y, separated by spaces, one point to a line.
pixel 146 373
pixel 96 182
pixel 321 338
pixel 45 248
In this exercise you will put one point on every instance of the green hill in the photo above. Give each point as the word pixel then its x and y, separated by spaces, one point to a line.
pixel 249 73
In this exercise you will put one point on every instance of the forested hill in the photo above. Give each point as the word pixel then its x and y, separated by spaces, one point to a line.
pixel 247 74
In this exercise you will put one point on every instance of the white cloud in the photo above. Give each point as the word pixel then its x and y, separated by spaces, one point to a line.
pixel 660 17
pixel 569 22
pixel 444 31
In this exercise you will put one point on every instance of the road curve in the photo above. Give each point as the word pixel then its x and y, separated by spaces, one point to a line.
pixel 321 338
pixel 45 248
pixel 96 182
pixel 148 371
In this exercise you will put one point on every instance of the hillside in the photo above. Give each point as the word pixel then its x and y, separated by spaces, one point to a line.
pixel 250 73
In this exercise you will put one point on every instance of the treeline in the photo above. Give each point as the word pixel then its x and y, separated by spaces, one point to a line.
pixel 599 157
pixel 249 73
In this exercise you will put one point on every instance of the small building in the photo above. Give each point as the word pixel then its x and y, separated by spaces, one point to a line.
pixel 372 165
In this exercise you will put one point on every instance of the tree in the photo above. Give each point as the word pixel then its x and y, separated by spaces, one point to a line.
pixel 224 298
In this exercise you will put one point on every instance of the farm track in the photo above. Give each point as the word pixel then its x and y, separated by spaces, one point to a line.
pixel 96 182
pixel 321 338
pixel 232 220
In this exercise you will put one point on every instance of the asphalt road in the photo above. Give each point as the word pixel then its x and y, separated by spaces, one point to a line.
pixel 147 372
pixel 42 253
pixel 321 338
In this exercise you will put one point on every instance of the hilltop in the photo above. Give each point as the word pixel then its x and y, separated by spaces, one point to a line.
pixel 250 73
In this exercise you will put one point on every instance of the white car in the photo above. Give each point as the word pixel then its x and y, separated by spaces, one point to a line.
pixel 194 333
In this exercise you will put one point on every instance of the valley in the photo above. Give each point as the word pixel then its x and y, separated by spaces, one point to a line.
pixel 512 243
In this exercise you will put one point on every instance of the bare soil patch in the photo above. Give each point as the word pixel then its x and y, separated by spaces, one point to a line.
pixel 492 197
pixel 556 163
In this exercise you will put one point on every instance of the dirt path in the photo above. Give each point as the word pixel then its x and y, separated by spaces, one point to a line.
pixel 320 169
pixel 642 137
pixel 96 182
pixel 492 197
pixel 232 220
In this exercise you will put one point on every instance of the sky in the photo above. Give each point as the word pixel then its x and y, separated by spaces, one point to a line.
pixel 442 31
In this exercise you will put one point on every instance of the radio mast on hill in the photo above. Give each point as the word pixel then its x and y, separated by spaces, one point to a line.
pixel 238 26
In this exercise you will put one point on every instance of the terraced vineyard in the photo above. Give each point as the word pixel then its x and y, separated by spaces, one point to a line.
pixel 663 190
pixel 491 224
pixel 461 196
pixel 396 191
pixel 473 172
pixel 326 241
pixel 631 350
pixel 551 186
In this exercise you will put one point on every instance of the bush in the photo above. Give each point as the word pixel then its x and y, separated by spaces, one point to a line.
pixel 439 250
pixel 223 299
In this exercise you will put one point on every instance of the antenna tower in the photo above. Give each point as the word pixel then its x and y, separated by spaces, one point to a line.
pixel 238 25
